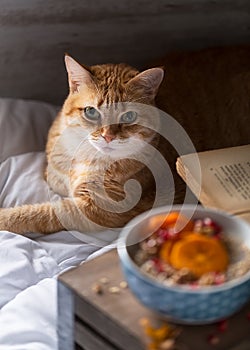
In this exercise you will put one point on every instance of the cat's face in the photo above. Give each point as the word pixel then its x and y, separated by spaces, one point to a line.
pixel 112 103
pixel 117 130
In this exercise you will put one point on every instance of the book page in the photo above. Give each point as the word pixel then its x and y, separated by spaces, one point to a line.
pixel 225 178
pixel 245 216
pixel 232 181
pixel 234 178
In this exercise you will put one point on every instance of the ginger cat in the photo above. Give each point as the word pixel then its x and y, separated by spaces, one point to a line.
pixel 107 128
pixel 88 147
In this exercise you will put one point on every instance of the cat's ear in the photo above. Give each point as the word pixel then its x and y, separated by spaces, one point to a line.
pixel 77 74
pixel 149 81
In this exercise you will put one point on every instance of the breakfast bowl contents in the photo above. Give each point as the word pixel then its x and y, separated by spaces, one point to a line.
pixel 198 254
pixel 191 265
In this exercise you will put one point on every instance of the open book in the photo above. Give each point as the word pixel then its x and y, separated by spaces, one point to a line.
pixel 220 178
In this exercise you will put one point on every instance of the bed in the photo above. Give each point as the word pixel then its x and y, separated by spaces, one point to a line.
pixel 30 264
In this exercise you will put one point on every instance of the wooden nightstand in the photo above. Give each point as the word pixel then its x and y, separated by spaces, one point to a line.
pixel 110 321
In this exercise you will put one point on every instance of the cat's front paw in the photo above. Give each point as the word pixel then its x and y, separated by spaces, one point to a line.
pixel 5 219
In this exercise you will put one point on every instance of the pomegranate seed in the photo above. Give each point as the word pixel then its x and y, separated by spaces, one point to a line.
pixel 155 260
pixel 223 325
pixel 163 234
pixel 217 228
pixel 219 278
pixel 194 285
pixel 157 264
pixel 207 222
pixel 248 316
pixel 166 234
pixel 210 223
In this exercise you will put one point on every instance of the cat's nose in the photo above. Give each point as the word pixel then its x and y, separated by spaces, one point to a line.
pixel 108 137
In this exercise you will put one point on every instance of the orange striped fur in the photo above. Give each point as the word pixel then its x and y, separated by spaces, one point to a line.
pixel 83 165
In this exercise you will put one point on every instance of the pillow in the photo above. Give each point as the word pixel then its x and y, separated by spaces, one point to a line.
pixel 24 126
pixel 22 181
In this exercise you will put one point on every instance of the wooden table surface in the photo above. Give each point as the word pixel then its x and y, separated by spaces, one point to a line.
pixel 116 316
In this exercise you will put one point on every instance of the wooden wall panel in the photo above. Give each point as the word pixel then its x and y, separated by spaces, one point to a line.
pixel 34 35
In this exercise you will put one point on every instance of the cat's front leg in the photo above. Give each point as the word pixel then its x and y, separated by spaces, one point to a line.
pixel 66 214
pixel 30 218
pixel 4 220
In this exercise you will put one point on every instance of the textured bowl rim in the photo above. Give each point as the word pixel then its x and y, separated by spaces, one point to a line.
pixel 124 256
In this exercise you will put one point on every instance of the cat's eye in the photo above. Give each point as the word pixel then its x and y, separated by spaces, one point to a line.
pixel 128 117
pixel 91 113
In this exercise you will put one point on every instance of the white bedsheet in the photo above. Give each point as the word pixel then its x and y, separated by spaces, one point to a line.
pixel 30 265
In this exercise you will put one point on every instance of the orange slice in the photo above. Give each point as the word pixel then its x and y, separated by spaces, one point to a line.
pixel 180 221
pixel 167 246
pixel 200 254
pixel 166 250
pixel 170 220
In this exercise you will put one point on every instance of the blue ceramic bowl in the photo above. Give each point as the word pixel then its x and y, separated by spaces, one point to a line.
pixel 181 304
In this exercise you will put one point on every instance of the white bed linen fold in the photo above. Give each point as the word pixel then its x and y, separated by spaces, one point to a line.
pixel 29 265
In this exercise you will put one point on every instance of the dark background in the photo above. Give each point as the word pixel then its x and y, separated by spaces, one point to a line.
pixel 35 34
